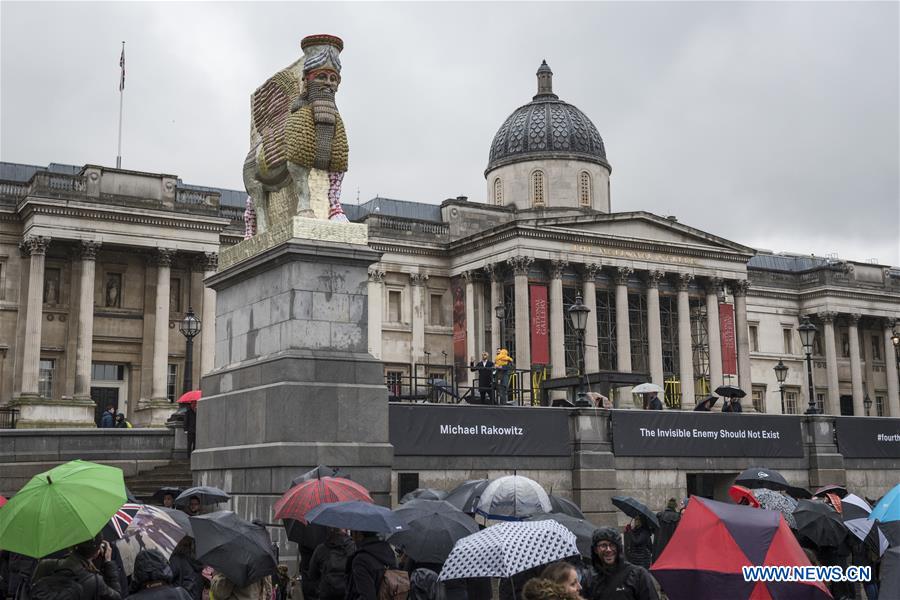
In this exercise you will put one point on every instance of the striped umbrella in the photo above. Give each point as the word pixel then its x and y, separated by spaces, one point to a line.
pixel 856 517
pixel 303 497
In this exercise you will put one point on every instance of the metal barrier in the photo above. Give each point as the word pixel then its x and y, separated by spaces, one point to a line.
pixel 8 418
pixel 523 388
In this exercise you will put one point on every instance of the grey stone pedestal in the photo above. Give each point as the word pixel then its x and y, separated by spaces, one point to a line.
pixel 293 384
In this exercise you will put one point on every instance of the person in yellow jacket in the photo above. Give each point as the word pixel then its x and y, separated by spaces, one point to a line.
pixel 503 365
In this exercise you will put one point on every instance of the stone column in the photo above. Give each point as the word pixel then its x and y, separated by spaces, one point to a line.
pixel 623 330
pixel 163 259
pixel 209 264
pixel 589 293
pixel 833 397
pixel 375 288
pixel 493 273
pixel 654 328
pixel 469 277
pixel 713 334
pixel 557 320
pixel 742 338
pixel 417 281
pixel 890 363
pixel 31 356
pixel 88 255
pixel 520 266
pixel 685 343
pixel 859 408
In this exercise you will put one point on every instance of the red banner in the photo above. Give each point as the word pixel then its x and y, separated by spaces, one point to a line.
pixel 729 347
pixel 458 287
pixel 540 325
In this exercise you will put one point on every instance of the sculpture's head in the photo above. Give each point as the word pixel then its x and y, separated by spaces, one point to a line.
pixel 322 65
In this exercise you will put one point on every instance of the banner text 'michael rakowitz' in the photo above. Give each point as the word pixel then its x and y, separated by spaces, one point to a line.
pixel 481 430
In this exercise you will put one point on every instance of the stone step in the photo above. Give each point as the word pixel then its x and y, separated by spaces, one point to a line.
pixel 174 474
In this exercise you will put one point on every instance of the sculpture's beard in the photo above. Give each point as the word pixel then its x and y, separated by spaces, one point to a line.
pixel 321 98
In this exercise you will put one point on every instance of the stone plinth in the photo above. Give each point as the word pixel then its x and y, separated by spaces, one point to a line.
pixel 36 412
pixel 293 384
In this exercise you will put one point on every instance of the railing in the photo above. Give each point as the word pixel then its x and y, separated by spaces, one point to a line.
pixel 14 189
pixel 408 225
pixel 8 418
pixel 58 183
pixel 196 197
pixel 235 213
pixel 521 390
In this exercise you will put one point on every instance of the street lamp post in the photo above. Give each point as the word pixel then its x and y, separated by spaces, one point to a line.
pixel 807 333
pixel 781 372
pixel 500 313
pixel 578 312
pixel 189 327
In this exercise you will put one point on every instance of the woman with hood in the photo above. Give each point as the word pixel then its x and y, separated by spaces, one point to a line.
pixel 152 578
pixel 614 577
pixel 639 543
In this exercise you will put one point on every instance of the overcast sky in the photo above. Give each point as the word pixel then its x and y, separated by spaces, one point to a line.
pixel 771 124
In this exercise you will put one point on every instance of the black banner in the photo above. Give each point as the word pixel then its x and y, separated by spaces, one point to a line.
pixel 675 433
pixel 442 430
pixel 859 437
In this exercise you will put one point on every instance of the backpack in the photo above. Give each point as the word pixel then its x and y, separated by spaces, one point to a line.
pixel 333 583
pixel 59 585
pixel 394 585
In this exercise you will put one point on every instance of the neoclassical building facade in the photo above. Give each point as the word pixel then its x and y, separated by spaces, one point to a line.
pixel 98 266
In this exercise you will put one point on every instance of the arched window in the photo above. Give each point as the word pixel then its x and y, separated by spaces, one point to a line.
pixel 537 189
pixel 498 192
pixel 585 191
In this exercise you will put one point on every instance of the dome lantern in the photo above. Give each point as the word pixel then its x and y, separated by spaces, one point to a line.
pixel 545 83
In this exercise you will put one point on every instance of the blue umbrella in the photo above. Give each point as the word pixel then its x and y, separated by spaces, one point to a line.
pixel 888 508
pixel 356 516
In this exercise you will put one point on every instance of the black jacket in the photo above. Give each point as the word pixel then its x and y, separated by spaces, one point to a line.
pixel 163 592
pixel 367 566
pixel 485 373
pixel 668 521
pixel 94 586
pixel 641 550
pixel 323 559
pixel 187 573
pixel 622 581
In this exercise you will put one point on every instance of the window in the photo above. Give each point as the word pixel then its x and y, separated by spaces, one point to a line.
pixel 175 295
pixel 879 406
pixel 845 345
pixel 754 338
pixel 758 396
pixel 788 336
pixel 606 329
pixel 394 382
pixel 394 312
pixel 498 191
pixel 585 195
pixel 51 286
pixel 171 382
pixel 790 402
pixel 876 347
pixel 437 310
pixel 107 372
pixel 537 189
pixel 45 377
pixel 820 403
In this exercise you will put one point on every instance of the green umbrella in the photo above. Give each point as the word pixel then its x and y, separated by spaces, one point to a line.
pixel 61 507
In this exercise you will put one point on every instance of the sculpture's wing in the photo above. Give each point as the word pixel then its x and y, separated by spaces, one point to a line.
pixel 270 106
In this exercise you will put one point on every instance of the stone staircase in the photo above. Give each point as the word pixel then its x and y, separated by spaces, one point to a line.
pixel 176 473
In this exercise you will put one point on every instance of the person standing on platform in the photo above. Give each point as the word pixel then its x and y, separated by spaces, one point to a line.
pixel 485 368
pixel 652 401
pixel 503 365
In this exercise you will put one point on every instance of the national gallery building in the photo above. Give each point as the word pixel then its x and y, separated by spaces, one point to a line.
pixel 99 266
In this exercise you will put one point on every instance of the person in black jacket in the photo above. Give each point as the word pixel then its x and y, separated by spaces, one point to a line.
pixel 328 565
pixel 668 521
pixel 102 584
pixel 187 573
pixel 152 578
pixel 485 368
pixel 639 548
pixel 614 577
pixel 367 565
pixel 732 405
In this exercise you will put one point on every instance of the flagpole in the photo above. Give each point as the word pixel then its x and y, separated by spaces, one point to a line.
pixel 121 96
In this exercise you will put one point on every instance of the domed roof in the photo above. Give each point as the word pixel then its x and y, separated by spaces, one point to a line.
pixel 546 127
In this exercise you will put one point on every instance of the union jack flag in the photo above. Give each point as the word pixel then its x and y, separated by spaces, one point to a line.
pixel 123 518
pixel 122 66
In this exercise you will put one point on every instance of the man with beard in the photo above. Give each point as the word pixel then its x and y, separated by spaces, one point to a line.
pixel 614 577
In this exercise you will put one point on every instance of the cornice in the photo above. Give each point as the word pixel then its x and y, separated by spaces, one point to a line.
pixel 190 222
pixel 799 296
pixel 400 249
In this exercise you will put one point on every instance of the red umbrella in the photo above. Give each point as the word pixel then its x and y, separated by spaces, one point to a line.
pixel 191 398
pixel 303 497
pixel 739 492
pixel 714 540
pixel 3 500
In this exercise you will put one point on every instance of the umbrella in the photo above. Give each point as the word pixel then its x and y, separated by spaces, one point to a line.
pixel 432 532
pixel 712 543
pixel 772 500
pixel 565 506
pixel 888 508
pixel 820 523
pixel 3 500
pixel 840 490
pixel 207 494
pixel 634 508
pixel 582 529
pixel 61 507
pixel 710 401
pixel 757 477
pixel 730 391
pixel 181 519
pixel 466 495
pixel 646 388
pixel 508 548
pixel 191 398
pixel 424 493
pixel 318 473
pixel 303 497
pixel 419 507
pixel 119 522
pixel 739 492
pixel 240 550
pixel 153 528
pixel 304 534
pixel 357 516
pixel 512 498
pixel 856 519
pixel 162 492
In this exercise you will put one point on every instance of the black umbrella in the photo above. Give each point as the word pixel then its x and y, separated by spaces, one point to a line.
pixel 707 403
pixel 466 495
pixel 206 494
pixel 432 533
pixel 159 494
pixel 419 507
pixel 730 391
pixel 582 529
pixel 242 551
pixel 180 518
pixel 308 536
pixel 633 508
pixel 318 473
pixel 757 477
pixel 425 494
pixel 564 506
pixel 820 523
pixel 357 516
